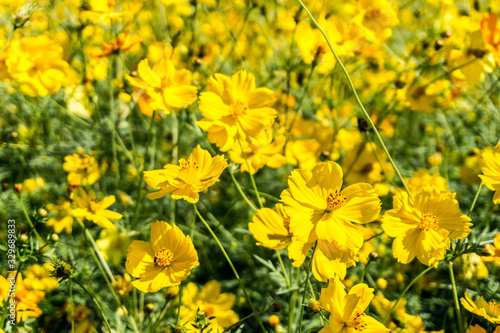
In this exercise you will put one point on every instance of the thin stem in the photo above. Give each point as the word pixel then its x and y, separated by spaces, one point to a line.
pixel 72 305
pixel 404 293
pixel 358 100
pixel 29 221
pixel 251 175
pixel 283 268
pixel 7 41
pixel 240 190
pixel 455 298
pixel 475 198
pixel 178 321
pixel 96 303
pixel 293 301
pixel 305 287
pixel 230 264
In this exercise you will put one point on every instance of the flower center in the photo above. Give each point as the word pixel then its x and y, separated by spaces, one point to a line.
pixel 367 168
pixel 428 221
pixel 163 258
pixel 239 108
pixel 208 310
pixel 335 200
pixel 286 223
pixel 494 308
pixel 375 13
pixel 357 321
pixel 165 82
pixel 188 164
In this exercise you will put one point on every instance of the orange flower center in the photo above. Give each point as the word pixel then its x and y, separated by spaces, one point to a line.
pixel 494 308
pixel 335 200
pixel 428 221
pixel 208 310
pixel 357 321
pixel 163 258
pixel 367 168
pixel 286 223
pixel 165 82
pixel 188 164
pixel 239 108
pixel 375 13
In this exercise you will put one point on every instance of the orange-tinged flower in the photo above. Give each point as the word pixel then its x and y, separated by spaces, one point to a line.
pixel 490 167
pixel 165 262
pixel 494 251
pixel 423 227
pixel 165 87
pixel 234 109
pixel 347 309
pixel 94 210
pixel 122 43
pixel 491 34
pixel 488 310
pixel 186 180
pixel 320 210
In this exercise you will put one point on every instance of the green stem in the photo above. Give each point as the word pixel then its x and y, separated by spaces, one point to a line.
pixel 251 175
pixel 358 100
pixel 72 304
pixel 29 221
pixel 305 287
pixel 475 198
pixel 96 303
pixel 7 41
pixel 240 190
pixel 230 264
pixel 455 298
pixel 293 301
pixel 283 268
pixel 404 292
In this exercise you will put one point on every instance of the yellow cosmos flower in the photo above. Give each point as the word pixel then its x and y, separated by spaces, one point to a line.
pixel 488 310
pixel 423 228
pixel 83 169
pixel 402 319
pixel 233 108
pixel 494 250
pixel 490 167
pixel 61 216
pixel 422 177
pixel 26 298
pixel 271 228
pixel 319 209
pixel 364 167
pixel 259 152
pixel 164 262
pixel 212 302
pixel 186 180
pixel 491 34
pixel 38 277
pixel 377 17
pixel 113 244
pixel 165 87
pixel 347 309
pixel 123 43
pixel 94 210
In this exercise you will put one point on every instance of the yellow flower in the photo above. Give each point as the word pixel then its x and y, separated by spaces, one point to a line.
pixel 259 152
pixel 38 277
pixel 472 266
pixel 319 209
pixel 113 243
pixel 495 251
pixel 490 167
pixel 365 166
pixel 61 218
pixel 94 210
pixel 123 43
pixel 488 310
pixel 83 169
pixel 210 301
pixel 423 227
pixel 186 180
pixel 422 177
pixel 166 261
pixel 26 299
pixel 377 17
pixel 32 184
pixel 347 309
pixel 234 109
pixel 123 284
pixel 271 228
pixel 37 64
pixel 479 329
pixel 164 86
pixel 491 34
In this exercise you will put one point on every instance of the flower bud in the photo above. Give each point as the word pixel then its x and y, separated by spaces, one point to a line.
pixel 274 320
pixel 314 305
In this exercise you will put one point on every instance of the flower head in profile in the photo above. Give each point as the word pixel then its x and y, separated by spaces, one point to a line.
pixel 320 209
pixel 211 302
pixel 347 310
pixel 233 109
pixel 271 228
pixel 82 169
pixel 123 43
pixel 423 227
pixel 488 310
pixel 193 175
pixel 166 261
pixel 490 167
pixel 94 210
pixel 165 87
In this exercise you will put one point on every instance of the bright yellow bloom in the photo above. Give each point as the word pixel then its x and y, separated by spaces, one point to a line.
pixel 234 109
pixel 410 323
pixel 271 228
pixel 319 209
pixel 166 261
pixel 377 17
pixel 164 86
pixel 61 218
pixel 488 310
pixel 491 34
pixel 490 167
pixel 479 329
pixel 495 251
pixel 94 210
pixel 123 43
pixel 31 184
pixel 186 180
pixel 123 284
pixel 38 277
pixel 259 152
pixel 37 64
pixel 26 298
pixel 83 169
pixel 422 177
pixel 210 301
pixel 347 309
pixel 113 244
pixel 423 227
